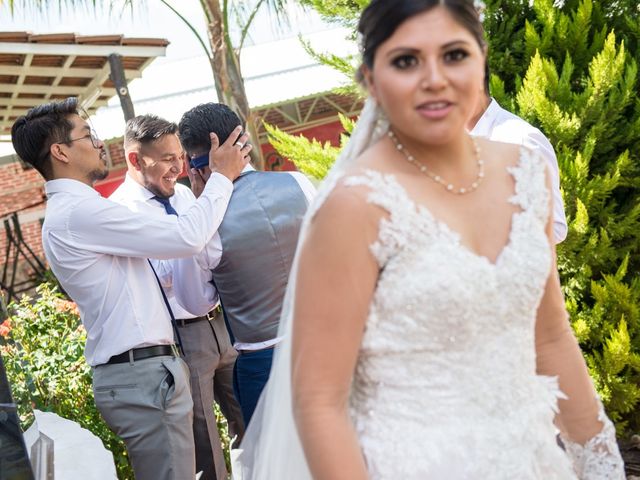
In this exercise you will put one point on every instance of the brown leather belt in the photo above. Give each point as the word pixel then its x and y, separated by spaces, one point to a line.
pixel 181 322
pixel 144 352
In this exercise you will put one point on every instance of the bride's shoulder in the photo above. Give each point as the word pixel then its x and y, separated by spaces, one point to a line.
pixel 353 198
pixel 346 210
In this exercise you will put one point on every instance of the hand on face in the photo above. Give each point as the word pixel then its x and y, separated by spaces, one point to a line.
pixel 230 158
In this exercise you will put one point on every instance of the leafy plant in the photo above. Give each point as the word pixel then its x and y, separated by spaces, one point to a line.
pixel 42 347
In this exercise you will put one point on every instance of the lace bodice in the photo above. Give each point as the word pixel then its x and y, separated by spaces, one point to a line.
pixel 445 384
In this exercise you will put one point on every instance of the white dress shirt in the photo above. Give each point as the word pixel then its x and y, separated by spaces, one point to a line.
pixel 138 199
pixel 500 125
pixel 98 250
pixel 196 292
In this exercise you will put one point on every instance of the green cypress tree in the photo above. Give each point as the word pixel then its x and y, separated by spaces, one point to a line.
pixel 581 88
pixel 571 68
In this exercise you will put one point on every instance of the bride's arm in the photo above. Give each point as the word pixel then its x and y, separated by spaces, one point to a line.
pixel 588 435
pixel 335 283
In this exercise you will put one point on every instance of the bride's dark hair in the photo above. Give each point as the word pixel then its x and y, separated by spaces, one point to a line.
pixel 382 17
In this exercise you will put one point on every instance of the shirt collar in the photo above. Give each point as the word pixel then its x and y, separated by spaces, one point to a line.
pixel 136 191
pixel 69 185
pixel 248 168
pixel 485 123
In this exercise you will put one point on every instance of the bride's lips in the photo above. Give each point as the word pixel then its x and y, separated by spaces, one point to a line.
pixel 435 110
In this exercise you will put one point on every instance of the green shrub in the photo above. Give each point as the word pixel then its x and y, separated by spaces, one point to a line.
pixel 43 351
pixel 579 83
pixel 42 346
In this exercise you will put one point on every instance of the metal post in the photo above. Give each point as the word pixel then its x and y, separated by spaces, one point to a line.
pixel 120 81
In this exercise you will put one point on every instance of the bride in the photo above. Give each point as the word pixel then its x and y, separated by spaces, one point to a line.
pixel 425 330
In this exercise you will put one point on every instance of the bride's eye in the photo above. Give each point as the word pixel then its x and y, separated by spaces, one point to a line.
pixel 404 61
pixel 456 55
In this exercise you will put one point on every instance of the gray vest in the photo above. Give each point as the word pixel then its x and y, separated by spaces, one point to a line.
pixel 259 234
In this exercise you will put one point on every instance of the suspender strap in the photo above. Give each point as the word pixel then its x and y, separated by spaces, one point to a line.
pixel 166 302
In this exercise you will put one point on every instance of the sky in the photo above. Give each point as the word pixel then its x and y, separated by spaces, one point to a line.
pixel 148 18
pixel 272 46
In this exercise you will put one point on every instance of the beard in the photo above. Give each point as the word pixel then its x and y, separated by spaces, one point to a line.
pixel 99 174
pixel 157 191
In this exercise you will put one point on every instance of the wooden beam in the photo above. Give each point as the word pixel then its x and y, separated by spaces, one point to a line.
pixel 36 102
pixel 70 90
pixel 310 111
pixel 334 104
pixel 61 73
pixel 20 102
pixel 92 91
pixel 293 120
pixel 82 50
pixel 53 71
pixel 27 61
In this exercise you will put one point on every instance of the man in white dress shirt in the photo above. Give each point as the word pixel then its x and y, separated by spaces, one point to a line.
pixel 155 160
pixel 98 250
pixel 495 123
pixel 250 255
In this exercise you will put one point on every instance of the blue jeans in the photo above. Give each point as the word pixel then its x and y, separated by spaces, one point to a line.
pixel 250 375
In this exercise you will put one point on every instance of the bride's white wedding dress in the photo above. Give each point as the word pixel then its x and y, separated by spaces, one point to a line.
pixel 445 385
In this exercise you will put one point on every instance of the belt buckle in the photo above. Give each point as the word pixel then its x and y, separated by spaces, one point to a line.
pixel 174 349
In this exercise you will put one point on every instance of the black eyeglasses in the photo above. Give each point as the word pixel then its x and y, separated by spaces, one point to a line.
pixel 95 141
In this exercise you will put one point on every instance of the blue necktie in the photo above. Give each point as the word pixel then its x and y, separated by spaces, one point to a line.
pixel 167 205
pixel 170 211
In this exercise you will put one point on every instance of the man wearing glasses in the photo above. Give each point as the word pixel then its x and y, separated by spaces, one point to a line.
pixel 99 252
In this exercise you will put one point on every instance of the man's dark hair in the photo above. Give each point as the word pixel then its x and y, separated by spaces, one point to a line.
pixel 197 123
pixel 145 129
pixel 33 134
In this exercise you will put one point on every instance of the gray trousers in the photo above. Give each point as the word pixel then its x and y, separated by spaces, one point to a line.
pixel 148 404
pixel 210 356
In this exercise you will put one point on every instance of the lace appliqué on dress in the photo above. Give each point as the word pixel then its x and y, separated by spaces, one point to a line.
pixel 599 458
pixel 445 384
pixel 530 184
pixel 394 231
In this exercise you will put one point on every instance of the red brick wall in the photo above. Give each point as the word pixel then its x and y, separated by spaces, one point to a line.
pixel 21 191
pixel 116 153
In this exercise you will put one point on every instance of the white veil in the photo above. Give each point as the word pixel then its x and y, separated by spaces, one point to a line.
pixel 271 448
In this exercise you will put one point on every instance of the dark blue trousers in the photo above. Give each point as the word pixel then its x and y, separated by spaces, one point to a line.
pixel 250 375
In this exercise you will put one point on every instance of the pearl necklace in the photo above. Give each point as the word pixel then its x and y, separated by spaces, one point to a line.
pixel 437 178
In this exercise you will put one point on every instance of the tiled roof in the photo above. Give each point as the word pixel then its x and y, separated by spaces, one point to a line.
pixel 37 68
